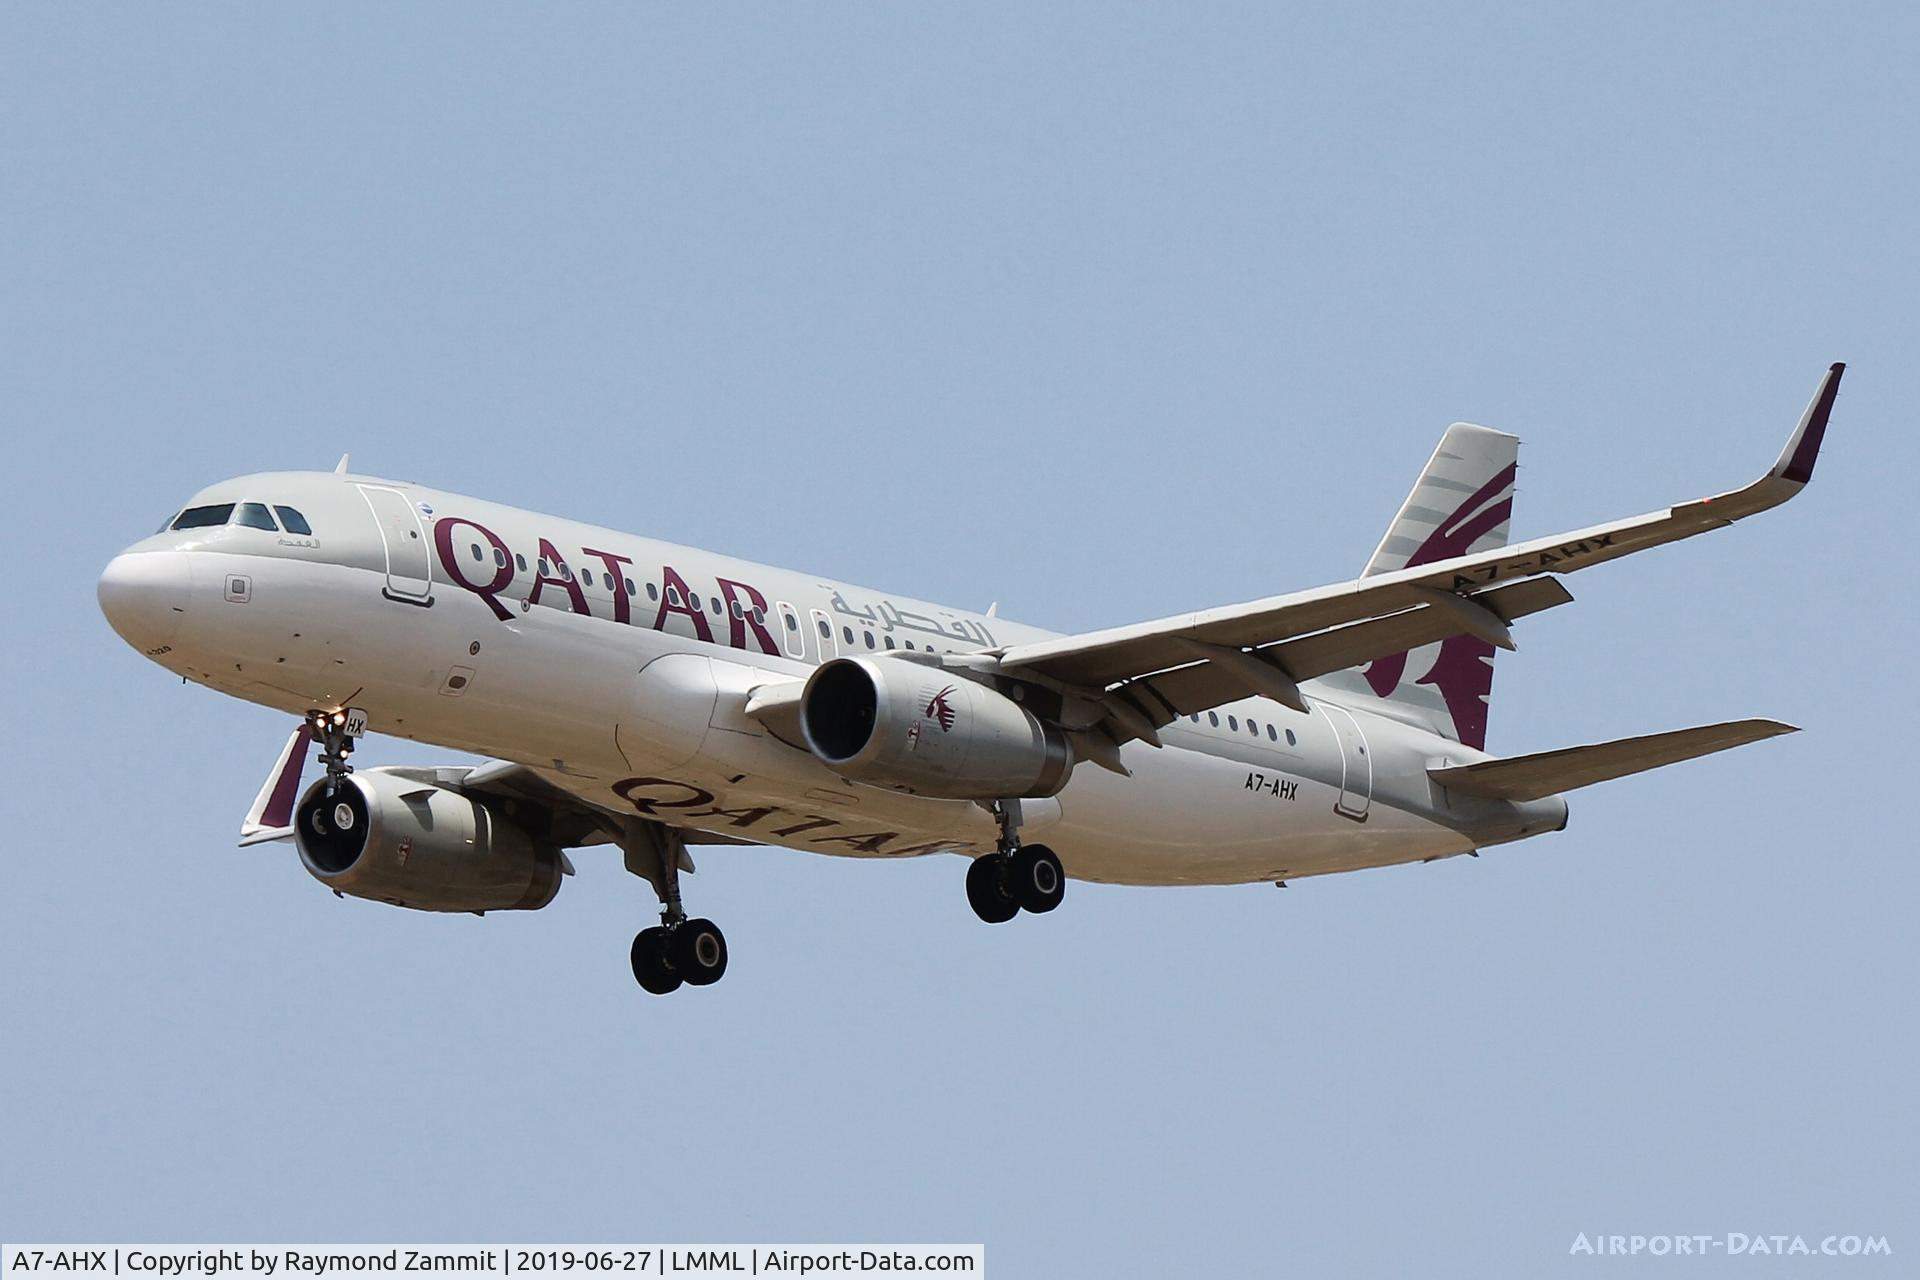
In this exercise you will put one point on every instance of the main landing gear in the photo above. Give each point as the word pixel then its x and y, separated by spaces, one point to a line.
pixel 677 950
pixel 1016 877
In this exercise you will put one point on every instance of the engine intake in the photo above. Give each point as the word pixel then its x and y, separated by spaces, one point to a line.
pixel 897 724
pixel 413 844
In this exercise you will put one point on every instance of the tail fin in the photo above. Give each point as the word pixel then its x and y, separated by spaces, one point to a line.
pixel 1462 503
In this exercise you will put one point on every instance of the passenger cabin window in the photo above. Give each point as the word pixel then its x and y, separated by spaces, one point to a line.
pixel 204 517
pixel 653 592
pixel 1213 718
pixel 520 561
pixel 255 515
pixel 293 522
pixel 1271 735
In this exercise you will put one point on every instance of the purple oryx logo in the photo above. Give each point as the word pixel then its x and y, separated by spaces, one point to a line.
pixel 1464 670
pixel 938 708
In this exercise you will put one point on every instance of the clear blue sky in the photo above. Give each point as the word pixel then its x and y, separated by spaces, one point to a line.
pixel 1100 312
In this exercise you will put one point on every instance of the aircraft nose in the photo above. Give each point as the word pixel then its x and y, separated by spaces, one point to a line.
pixel 144 595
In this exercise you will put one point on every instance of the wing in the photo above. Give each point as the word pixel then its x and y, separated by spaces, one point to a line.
pixel 1145 675
pixel 578 818
pixel 566 810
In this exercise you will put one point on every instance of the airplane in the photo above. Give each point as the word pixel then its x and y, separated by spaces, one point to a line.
pixel 631 692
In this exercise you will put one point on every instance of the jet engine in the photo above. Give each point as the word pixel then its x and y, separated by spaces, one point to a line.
pixel 894 723
pixel 413 844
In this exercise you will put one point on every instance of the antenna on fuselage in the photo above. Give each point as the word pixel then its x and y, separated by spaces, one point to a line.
pixel 342 468
pixel 993 610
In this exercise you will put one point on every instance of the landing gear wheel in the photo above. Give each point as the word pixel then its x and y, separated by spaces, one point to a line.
pixel 1036 879
pixel 698 952
pixel 650 968
pixel 987 889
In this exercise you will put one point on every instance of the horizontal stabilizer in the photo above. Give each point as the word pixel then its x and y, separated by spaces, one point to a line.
pixel 1549 772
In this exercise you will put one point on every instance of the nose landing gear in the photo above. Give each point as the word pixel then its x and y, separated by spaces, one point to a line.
pixel 1015 877
pixel 337 732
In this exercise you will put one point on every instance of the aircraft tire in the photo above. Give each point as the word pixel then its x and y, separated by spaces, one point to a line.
pixel 986 890
pixel 699 952
pixel 650 962
pixel 1037 879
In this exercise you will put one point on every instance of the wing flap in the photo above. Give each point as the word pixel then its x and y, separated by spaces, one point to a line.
pixel 1204 686
pixel 1550 772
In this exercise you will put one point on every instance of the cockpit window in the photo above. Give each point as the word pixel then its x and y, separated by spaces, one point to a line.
pixel 255 515
pixel 294 522
pixel 165 525
pixel 204 517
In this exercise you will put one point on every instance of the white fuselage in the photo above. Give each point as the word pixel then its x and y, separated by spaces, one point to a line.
pixel 619 667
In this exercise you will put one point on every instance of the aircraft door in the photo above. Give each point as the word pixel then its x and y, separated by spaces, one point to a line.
pixel 409 564
pixel 1356 767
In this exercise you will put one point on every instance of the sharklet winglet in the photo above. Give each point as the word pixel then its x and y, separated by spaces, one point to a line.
pixel 1803 449
pixel 271 815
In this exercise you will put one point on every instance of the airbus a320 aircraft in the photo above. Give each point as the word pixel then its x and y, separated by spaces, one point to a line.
pixel 645 695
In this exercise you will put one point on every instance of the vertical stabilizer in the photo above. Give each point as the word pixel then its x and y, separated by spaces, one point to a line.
pixel 1462 503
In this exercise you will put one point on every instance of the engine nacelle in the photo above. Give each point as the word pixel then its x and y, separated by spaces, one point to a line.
pixel 416 845
pixel 897 724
